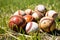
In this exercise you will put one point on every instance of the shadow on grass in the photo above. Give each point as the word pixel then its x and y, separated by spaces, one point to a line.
pixel 56 32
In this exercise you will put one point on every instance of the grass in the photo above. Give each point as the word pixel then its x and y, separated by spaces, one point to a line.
pixel 8 7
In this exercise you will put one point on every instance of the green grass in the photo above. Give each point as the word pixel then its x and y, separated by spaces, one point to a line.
pixel 8 7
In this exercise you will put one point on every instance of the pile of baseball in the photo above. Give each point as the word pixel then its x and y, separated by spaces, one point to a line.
pixel 33 20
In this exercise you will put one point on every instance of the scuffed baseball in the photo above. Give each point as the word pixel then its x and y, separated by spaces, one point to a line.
pixel 17 22
pixel 31 27
pixel 47 24
pixel 28 11
pixel 19 12
pixel 28 18
pixel 51 13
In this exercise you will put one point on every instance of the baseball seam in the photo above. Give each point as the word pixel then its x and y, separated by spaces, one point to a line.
pixel 29 27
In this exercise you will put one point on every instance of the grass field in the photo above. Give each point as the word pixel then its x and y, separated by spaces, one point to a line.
pixel 8 7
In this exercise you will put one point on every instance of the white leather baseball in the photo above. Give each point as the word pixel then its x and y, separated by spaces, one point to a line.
pixel 37 15
pixel 19 12
pixel 28 11
pixel 40 8
pixel 51 13
pixel 31 27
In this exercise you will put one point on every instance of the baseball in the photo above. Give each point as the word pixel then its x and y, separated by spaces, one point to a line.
pixel 51 13
pixel 19 12
pixel 37 16
pixel 41 9
pixel 16 22
pixel 28 18
pixel 31 27
pixel 28 11
pixel 47 24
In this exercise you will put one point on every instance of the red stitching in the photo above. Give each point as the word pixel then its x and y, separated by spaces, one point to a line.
pixel 46 19
pixel 29 27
